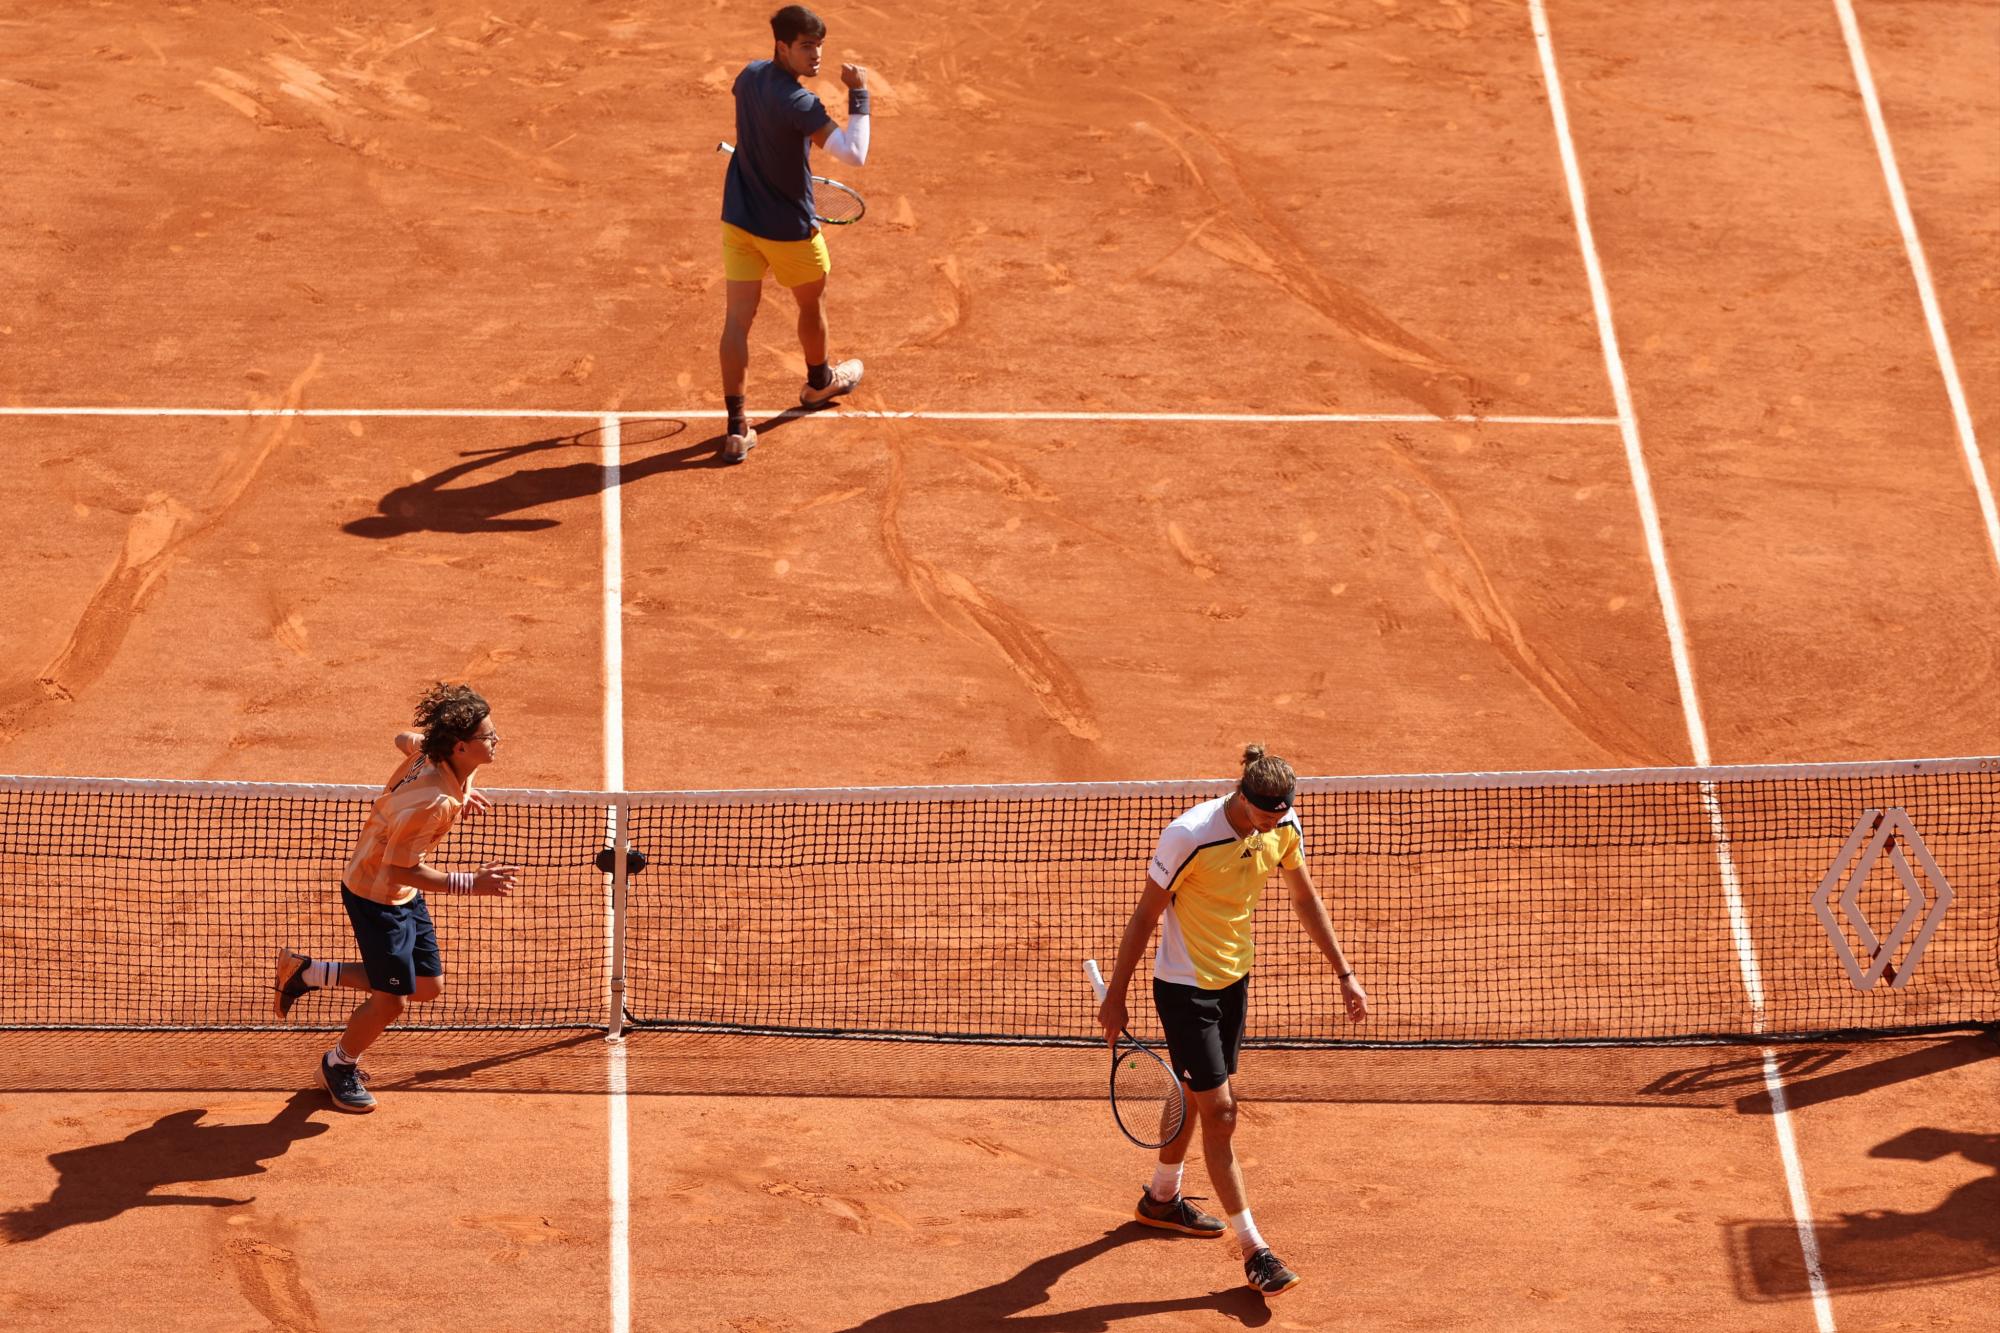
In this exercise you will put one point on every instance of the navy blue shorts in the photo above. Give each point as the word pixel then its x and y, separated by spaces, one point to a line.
pixel 1204 1029
pixel 398 944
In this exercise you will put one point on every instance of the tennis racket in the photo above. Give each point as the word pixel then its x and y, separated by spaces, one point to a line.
pixel 1146 1097
pixel 833 204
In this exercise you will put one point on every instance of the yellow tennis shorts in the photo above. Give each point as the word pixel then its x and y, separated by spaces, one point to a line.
pixel 745 258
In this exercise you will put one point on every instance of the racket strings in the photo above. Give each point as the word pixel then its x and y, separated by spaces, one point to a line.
pixel 1147 1098
pixel 835 203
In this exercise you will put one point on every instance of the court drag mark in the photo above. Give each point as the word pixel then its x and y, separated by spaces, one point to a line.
pixel 160 530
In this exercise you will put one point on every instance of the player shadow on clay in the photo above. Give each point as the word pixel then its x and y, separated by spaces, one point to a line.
pixel 1883 1248
pixel 99 1182
pixel 436 504
pixel 1001 1305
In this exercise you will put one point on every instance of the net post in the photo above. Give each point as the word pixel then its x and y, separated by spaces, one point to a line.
pixel 620 816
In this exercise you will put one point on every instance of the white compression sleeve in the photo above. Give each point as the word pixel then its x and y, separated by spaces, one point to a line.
pixel 851 144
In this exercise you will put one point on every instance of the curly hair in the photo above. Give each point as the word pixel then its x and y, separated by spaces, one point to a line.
pixel 449 714
pixel 1265 776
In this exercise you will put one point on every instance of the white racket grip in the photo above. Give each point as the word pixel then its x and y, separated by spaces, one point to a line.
pixel 1096 977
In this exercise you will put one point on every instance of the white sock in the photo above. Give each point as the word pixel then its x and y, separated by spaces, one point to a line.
pixel 340 1056
pixel 1166 1182
pixel 1246 1233
pixel 321 974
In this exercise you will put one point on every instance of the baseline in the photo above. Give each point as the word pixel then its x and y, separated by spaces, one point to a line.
pixel 845 413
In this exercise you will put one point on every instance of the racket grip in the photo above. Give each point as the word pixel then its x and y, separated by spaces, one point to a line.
pixel 1096 978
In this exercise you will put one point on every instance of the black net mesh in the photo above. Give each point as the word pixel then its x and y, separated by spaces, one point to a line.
pixel 1519 909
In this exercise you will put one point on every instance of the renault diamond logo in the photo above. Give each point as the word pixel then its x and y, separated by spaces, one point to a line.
pixel 1882 831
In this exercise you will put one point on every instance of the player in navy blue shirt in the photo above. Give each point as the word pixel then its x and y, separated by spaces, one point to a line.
pixel 767 214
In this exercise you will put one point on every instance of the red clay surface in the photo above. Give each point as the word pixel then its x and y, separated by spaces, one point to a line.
pixel 1837 584
pixel 1133 601
pixel 1282 207
pixel 186 595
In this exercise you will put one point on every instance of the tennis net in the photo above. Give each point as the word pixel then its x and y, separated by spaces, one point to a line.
pixel 1613 907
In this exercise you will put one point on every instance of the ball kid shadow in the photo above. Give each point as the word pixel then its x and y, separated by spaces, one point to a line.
pixel 476 495
pixel 1877 1249
pixel 102 1180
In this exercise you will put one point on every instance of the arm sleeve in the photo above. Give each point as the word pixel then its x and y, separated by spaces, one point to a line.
pixel 1176 848
pixel 850 144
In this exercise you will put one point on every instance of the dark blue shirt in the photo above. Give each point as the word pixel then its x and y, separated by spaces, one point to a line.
pixel 768 191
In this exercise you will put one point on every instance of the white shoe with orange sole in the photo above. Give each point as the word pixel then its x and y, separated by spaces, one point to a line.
pixel 845 376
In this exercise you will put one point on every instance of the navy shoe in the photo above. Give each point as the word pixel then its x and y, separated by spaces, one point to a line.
pixel 345 1084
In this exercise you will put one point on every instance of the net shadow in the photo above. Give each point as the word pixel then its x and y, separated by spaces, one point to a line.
pixel 712 1065
pixel 1865 1071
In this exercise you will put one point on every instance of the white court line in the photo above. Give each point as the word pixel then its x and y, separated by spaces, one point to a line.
pixel 1621 393
pixel 1642 486
pixel 620 1275
pixel 1961 415
pixel 1795 1186
pixel 621 1197
pixel 841 414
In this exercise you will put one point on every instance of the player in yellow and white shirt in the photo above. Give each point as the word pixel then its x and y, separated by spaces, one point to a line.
pixel 1202 888
pixel 384 884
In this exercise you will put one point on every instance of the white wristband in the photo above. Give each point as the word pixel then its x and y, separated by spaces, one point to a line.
pixel 458 881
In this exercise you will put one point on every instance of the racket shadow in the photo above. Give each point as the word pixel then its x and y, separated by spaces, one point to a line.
pixel 1001 1305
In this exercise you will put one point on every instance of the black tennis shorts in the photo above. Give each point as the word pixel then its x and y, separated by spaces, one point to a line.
pixel 398 944
pixel 1204 1029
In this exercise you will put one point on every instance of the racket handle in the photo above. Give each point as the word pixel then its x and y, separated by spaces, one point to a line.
pixel 1096 977
pixel 725 147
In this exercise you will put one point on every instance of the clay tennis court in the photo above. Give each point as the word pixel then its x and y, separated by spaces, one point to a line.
pixel 1235 372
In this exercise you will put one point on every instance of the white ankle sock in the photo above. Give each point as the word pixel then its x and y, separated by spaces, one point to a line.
pixel 1246 1233
pixel 340 1056
pixel 1166 1182
pixel 322 973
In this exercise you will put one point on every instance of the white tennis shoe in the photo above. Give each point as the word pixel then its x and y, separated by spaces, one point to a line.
pixel 845 376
